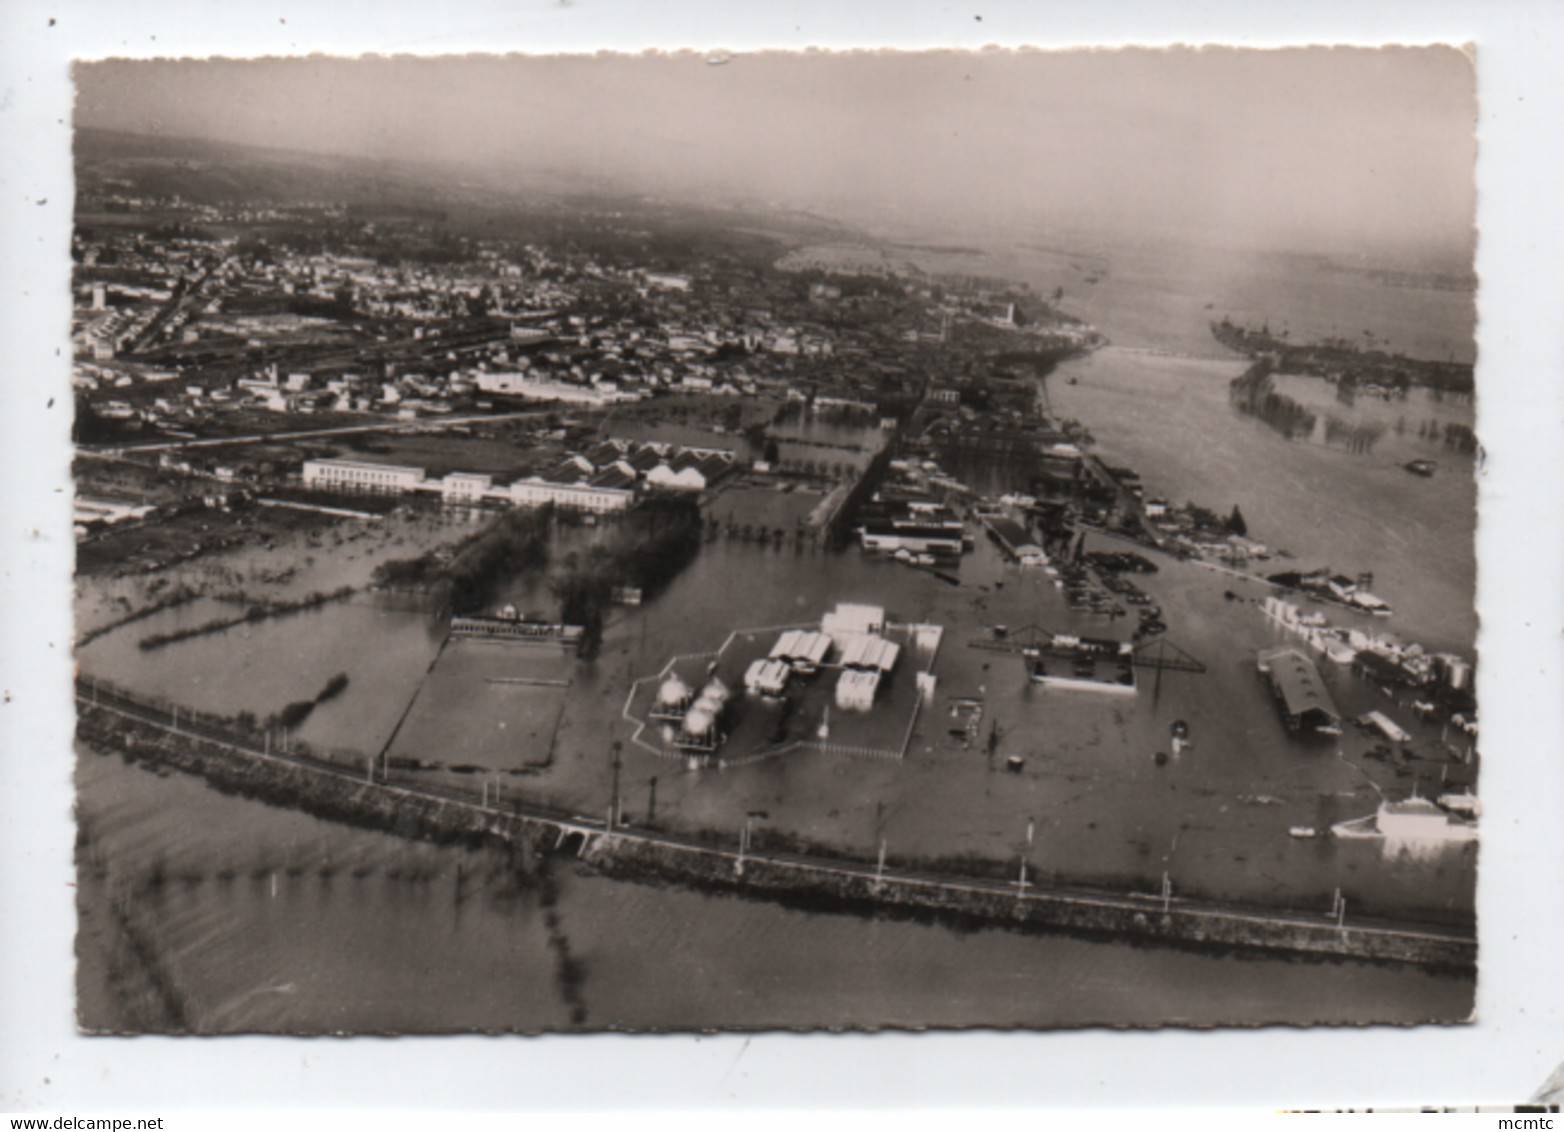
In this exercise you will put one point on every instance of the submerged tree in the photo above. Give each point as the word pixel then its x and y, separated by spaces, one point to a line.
pixel 1236 524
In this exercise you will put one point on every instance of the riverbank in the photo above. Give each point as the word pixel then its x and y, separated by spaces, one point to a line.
pixel 1171 420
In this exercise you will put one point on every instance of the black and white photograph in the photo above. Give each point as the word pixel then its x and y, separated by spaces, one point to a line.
pixel 696 541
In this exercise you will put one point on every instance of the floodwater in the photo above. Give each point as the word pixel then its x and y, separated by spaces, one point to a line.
pixel 268 920
pixel 1163 294
pixel 365 932
pixel 227 915
pixel 1169 418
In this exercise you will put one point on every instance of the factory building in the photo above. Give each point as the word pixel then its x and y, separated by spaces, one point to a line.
pixel 804 651
pixel 465 487
pixel 871 653
pixel 535 491
pixel 1301 693
pixel 358 475
pixel 916 535
pixel 848 619
pixel 856 689
pixel 767 677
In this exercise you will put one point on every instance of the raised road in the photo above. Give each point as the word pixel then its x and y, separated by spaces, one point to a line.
pixel 166 733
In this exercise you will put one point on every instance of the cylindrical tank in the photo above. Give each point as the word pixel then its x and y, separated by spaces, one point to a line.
pixel 699 722
pixel 673 692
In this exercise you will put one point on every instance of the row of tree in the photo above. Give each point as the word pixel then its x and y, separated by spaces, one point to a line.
pixel 468 578
pixel 1253 393
pixel 647 550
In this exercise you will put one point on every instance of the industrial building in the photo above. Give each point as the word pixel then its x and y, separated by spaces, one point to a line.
pixel 848 619
pixel 359 475
pixel 1298 689
pixel 767 677
pixel 804 651
pixel 871 653
pixel 856 689
pixel 569 486
pixel 536 389
pixel 535 491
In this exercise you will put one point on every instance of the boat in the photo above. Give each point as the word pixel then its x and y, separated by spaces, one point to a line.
pixel 1424 468
pixel 1339 652
pixel 1304 831
pixel 1465 803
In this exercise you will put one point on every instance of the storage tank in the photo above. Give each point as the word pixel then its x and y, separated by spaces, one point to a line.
pixel 699 723
pixel 673 693
pixel 1458 673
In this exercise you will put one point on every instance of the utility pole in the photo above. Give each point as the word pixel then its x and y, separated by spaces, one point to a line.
pixel 744 836
pixel 613 800
pixel 651 800
pixel 1167 892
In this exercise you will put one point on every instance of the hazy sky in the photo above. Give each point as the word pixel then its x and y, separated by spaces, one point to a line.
pixel 1298 148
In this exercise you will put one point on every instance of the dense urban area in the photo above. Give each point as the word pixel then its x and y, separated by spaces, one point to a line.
pixel 735 548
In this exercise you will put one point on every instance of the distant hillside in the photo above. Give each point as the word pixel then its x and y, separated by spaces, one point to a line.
pixel 211 172
pixel 223 173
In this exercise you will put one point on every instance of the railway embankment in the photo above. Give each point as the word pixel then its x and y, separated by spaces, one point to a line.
pixel 970 904
pixel 109 722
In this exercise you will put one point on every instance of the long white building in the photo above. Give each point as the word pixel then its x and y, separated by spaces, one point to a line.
pixel 534 389
pixel 536 491
pixel 610 489
pixel 360 475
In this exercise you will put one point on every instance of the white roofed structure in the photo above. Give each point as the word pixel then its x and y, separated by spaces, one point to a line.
pixel 868 651
pixel 767 677
pixel 856 689
pixel 848 618
pixel 787 645
pixel 802 648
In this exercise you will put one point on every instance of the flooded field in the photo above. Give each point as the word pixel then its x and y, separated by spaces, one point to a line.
pixel 414 938
pixel 1215 819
